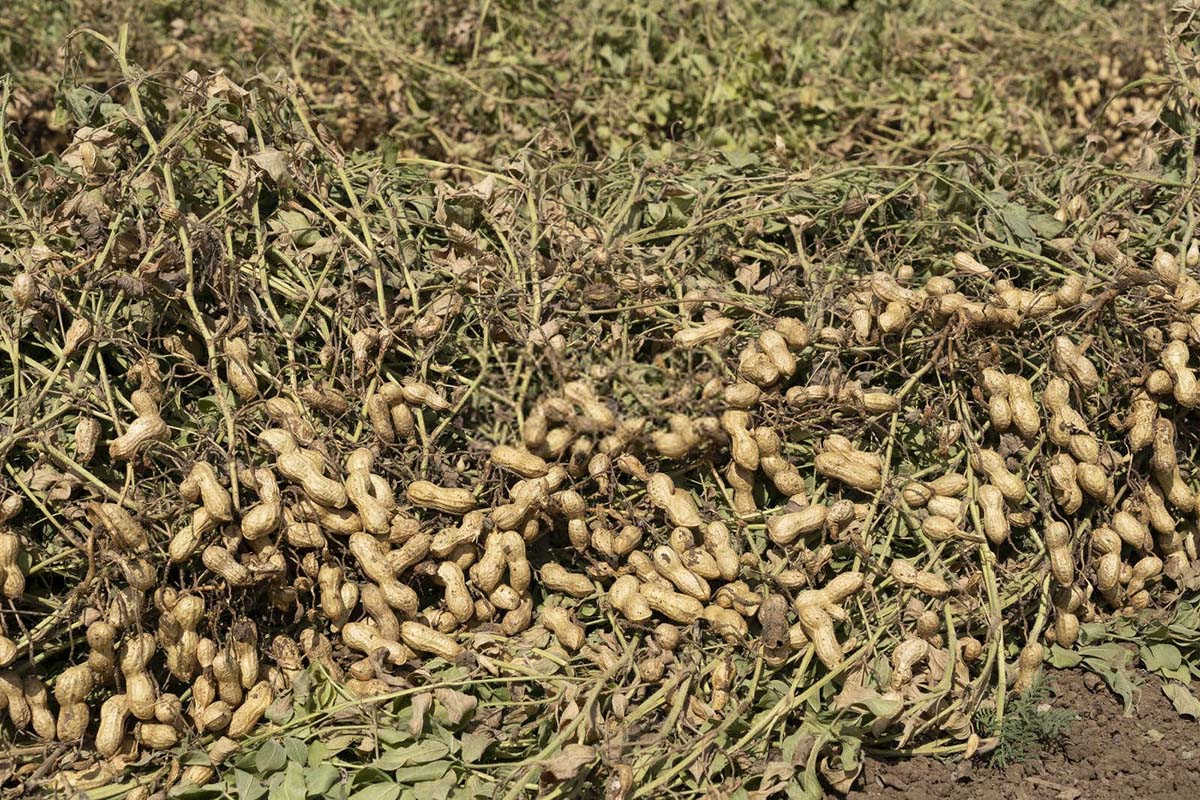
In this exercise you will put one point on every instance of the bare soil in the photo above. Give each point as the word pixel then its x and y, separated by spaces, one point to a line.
pixel 1151 755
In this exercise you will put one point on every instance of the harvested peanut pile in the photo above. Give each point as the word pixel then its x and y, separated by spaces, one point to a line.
pixel 578 475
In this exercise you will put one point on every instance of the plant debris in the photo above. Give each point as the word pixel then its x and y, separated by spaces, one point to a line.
pixel 339 460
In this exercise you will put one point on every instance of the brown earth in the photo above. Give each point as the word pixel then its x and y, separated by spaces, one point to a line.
pixel 1150 755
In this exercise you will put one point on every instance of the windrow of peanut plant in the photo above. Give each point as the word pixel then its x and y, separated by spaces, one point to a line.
pixel 641 475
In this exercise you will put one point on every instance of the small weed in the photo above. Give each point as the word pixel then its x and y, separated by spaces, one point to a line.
pixel 1029 727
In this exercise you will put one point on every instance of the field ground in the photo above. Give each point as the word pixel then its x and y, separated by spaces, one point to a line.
pixel 1106 753
pixel 844 347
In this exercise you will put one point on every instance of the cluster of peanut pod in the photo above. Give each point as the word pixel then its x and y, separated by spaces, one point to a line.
pixel 720 524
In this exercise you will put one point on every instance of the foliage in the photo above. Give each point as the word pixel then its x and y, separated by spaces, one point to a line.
pixel 1029 726
pixel 586 166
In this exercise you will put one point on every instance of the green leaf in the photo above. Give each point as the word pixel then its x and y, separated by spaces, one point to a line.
pixel 883 707
pixel 81 101
pixel 656 212
pixel 390 737
pixel 318 753
pixel 739 159
pixel 797 789
pixel 474 745
pixel 369 775
pixel 422 772
pixel 1045 225
pixel 1115 675
pixel 340 742
pixel 419 753
pixel 320 778
pixel 1092 632
pixel 295 749
pixel 434 790
pixel 1112 653
pixel 378 791
pixel 1181 697
pixel 293 787
pixel 1181 673
pixel 791 742
pixel 270 757
pixel 1161 657
pixel 302 688
pixel 207 405
pixel 248 787
pixel 475 787
pixel 195 757
pixel 1061 657
pixel 446 737
pixel 1016 219
pixel 339 791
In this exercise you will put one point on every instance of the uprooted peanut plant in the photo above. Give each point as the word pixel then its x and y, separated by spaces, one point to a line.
pixel 635 475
